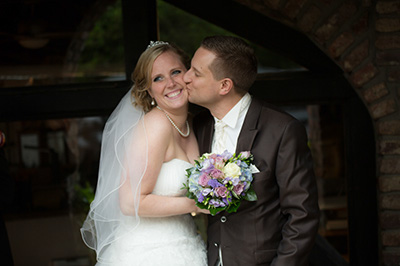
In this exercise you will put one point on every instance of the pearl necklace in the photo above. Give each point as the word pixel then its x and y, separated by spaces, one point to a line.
pixel 175 126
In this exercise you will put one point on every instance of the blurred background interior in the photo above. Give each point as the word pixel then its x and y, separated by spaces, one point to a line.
pixel 64 65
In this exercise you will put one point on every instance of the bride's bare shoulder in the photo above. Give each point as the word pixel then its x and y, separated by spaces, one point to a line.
pixel 157 125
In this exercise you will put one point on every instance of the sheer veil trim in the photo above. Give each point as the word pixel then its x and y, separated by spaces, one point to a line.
pixel 123 162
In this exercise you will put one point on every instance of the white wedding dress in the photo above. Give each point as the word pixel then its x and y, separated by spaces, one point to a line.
pixel 162 241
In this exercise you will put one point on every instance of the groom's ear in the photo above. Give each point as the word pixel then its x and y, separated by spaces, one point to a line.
pixel 226 86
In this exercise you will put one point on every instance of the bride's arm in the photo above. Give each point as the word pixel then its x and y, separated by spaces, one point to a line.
pixel 159 139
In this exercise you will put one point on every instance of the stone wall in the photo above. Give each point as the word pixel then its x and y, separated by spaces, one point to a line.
pixel 363 38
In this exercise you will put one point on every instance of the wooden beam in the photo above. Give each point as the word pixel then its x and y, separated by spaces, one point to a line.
pixel 62 101
pixel 73 100
pixel 257 28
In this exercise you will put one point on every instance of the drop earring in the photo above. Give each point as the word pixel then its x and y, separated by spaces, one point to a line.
pixel 153 102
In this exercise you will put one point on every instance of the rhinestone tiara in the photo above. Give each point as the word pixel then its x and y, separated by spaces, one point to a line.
pixel 156 43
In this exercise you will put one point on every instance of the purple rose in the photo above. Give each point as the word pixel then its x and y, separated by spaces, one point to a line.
pixel 238 189
pixel 221 191
pixel 217 174
pixel 203 179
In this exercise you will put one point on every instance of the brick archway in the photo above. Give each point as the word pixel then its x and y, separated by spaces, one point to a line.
pixel 363 39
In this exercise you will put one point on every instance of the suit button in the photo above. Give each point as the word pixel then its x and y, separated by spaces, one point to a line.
pixel 223 219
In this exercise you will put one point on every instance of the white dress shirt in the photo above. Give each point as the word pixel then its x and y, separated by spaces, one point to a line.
pixel 234 120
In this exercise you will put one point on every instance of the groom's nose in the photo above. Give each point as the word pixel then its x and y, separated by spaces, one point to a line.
pixel 186 76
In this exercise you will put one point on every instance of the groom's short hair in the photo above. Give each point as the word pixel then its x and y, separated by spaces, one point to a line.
pixel 235 59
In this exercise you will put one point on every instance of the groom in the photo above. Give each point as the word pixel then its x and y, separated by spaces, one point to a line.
pixel 279 228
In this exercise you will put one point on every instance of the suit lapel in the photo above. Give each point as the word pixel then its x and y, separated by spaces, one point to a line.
pixel 249 128
pixel 208 134
pixel 205 133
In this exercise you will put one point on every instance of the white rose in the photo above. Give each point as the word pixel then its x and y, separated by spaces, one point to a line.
pixel 232 170
pixel 206 155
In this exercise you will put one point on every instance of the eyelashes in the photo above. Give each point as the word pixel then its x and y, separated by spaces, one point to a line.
pixel 173 73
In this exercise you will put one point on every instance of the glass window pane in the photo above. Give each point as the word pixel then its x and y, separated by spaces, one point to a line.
pixel 54 164
pixel 53 168
pixel 53 42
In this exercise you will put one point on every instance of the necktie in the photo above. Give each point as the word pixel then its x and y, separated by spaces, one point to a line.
pixel 219 137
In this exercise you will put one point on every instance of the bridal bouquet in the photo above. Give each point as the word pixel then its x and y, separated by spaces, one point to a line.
pixel 220 182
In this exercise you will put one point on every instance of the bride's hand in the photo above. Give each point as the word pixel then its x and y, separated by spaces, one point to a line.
pixel 195 210
pixel 204 211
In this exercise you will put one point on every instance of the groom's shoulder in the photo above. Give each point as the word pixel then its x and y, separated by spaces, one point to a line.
pixel 269 108
pixel 272 113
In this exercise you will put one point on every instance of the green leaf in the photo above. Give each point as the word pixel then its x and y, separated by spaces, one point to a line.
pixel 233 207
pixel 235 195
pixel 188 171
pixel 214 211
pixel 201 206
pixel 190 195
pixel 250 195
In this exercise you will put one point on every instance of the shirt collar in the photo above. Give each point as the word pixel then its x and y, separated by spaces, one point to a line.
pixel 232 117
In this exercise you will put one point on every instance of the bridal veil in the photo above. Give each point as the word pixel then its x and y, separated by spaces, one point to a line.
pixel 123 161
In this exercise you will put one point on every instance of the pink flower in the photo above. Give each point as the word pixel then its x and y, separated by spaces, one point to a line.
pixel 218 174
pixel 213 156
pixel 221 191
pixel 245 154
pixel 203 180
pixel 238 189
pixel 219 162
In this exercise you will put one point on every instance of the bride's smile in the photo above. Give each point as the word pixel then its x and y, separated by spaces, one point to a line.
pixel 174 94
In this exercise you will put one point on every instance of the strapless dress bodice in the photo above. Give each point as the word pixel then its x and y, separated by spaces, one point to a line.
pixel 171 178
pixel 172 240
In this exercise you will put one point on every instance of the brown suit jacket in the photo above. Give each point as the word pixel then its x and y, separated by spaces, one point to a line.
pixel 280 227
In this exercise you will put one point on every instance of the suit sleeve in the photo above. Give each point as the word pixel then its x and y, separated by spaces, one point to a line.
pixel 298 196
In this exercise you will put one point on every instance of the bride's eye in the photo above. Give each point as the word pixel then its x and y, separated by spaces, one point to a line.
pixel 158 78
pixel 176 72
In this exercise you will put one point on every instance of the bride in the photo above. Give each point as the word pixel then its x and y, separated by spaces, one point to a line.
pixel 140 215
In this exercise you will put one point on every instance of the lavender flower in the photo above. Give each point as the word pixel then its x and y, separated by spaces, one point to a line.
pixel 214 183
pixel 244 154
pixel 206 191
